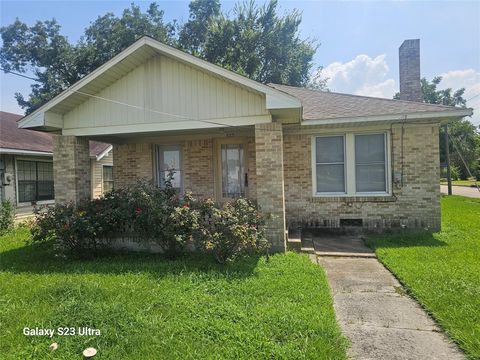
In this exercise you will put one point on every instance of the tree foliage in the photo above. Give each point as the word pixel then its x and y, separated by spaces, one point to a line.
pixel 464 137
pixel 431 95
pixel 255 41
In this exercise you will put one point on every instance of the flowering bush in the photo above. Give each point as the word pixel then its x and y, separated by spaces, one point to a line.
pixel 235 229
pixel 144 212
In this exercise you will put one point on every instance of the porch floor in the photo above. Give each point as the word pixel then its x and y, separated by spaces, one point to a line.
pixel 332 244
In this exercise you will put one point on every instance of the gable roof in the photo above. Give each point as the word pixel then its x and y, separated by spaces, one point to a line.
pixel 16 140
pixel 127 60
pixel 325 105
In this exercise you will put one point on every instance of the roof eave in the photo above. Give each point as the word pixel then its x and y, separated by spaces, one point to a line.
pixel 405 117
pixel 11 151
pixel 103 153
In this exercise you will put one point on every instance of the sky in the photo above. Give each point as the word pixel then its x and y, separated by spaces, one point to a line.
pixel 358 40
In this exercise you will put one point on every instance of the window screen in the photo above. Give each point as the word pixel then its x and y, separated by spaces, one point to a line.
pixel 330 164
pixel 370 161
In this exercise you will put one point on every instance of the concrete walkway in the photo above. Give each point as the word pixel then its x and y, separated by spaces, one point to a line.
pixel 461 190
pixel 380 321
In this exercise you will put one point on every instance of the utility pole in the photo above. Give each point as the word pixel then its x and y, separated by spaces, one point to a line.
pixel 447 159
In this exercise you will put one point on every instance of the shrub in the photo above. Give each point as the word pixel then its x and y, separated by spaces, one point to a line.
pixel 7 216
pixel 144 212
pixel 75 231
pixel 234 230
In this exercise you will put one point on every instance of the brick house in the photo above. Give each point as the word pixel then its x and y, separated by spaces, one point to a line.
pixel 310 158
pixel 26 165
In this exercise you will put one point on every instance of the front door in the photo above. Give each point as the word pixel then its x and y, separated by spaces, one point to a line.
pixel 232 176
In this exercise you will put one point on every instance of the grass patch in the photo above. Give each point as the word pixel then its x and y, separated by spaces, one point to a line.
pixel 442 270
pixel 148 307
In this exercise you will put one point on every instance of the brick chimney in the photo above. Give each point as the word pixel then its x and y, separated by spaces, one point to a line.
pixel 409 60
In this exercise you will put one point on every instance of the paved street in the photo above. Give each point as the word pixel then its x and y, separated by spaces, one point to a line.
pixel 461 190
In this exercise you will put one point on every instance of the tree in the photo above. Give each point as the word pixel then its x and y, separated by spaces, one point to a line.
pixel 431 95
pixel 464 137
pixel 57 64
pixel 194 32
pixel 255 42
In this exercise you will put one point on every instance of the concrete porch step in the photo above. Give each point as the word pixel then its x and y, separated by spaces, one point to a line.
pixel 294 240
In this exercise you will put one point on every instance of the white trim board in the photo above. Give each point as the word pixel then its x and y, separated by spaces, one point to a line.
pixel 24 152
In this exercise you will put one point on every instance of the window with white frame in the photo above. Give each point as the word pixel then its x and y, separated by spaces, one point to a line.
pixel 107 178
pixel 370 163
pixel 350 164
pixel 330 164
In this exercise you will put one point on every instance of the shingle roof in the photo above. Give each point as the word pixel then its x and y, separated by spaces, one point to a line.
pixel 11 137
pixel 97 147
pixel 322 105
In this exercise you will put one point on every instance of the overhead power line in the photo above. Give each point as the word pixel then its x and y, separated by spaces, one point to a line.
pixel 18 74
pixel 185 118
pixel 473 97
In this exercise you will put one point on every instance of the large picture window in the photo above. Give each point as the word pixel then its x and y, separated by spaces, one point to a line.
pixel 350 164
pixel 35 181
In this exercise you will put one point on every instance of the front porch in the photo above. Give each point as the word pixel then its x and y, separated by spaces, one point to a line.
pixel 220 164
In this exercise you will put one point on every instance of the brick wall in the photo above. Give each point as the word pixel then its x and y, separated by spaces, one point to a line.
pixel 415 204
pixel 270 181
pixel 71 169
pixel 198 168
pixel 132 162
pixel 198 157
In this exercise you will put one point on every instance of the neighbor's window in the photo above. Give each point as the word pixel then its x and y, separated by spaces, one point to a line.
pixel 35 181
pixel 370 163
pixel 330 164
pixel 169 159
pixel 107 178
pixel 350 164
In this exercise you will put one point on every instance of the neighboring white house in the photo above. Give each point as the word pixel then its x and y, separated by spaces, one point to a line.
pixel 26 165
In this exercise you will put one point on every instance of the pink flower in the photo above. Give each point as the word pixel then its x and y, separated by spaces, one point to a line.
pixel 138 211
pixel 186 206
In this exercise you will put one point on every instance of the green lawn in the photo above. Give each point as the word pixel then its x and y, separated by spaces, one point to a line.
pixel 442 270
pixel 147 307
pixel 460 183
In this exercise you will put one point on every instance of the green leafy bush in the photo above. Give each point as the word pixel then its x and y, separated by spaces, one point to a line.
pixel 144 212
pixel 7 216
pixel 233 230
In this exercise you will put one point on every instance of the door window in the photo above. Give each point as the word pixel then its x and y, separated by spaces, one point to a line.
pixel 232 170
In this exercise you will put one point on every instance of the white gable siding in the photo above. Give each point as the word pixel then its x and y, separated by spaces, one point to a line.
pixel 173 92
